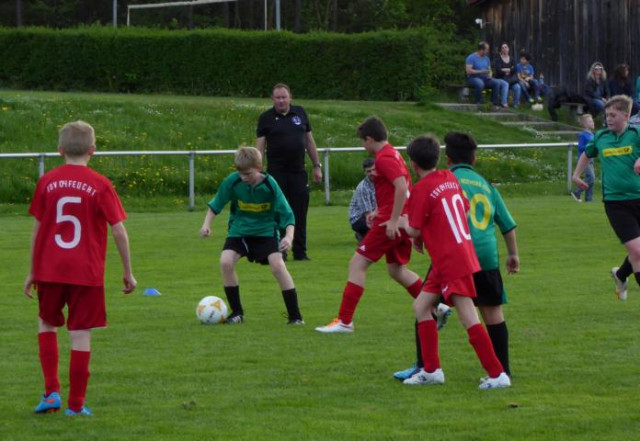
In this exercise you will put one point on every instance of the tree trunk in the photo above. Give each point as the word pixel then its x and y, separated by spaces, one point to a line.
pixel 19 13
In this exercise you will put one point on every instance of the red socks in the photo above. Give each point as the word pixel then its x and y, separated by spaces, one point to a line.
pixel 428 332
pixel 481 343
pixel 350 298
pixel 415 288
pixel 48 345
pixel 78 379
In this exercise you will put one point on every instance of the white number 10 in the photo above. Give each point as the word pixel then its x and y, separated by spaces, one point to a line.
pixel 60 217
pixel 457 225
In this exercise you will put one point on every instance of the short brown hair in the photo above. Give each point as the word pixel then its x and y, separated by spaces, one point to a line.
pixel 247 157
pixel 281 86
pixel 424 151
pixel 621 103
pixel 374 128
pixel 76 138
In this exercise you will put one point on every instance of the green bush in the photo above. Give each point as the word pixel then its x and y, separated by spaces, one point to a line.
pixel 388 65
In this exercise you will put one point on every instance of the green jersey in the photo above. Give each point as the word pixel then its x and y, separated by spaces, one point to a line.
pixel 260 210
pixel 486 210
pixel 617 155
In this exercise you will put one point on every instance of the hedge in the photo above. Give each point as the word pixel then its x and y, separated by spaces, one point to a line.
pixel 388 65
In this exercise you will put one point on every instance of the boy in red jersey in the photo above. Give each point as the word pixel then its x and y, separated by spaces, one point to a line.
pixel 438 220
pixel 72 206
pixel 392 185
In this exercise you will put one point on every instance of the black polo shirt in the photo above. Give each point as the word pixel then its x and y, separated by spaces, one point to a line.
pixel 286 137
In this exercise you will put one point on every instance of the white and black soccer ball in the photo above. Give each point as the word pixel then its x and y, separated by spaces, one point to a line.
pixel 211 310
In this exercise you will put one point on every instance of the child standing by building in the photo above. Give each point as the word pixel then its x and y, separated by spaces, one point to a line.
pixel 437 219
pixel 72 206
pixel 618 149
pixel 584 138
pixel 392 185
pixel 258 211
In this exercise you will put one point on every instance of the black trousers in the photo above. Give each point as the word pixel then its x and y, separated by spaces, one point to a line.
pixel 295 186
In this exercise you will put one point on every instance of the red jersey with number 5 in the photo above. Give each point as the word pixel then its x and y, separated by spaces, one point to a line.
pixel 438 209
pixel 74 204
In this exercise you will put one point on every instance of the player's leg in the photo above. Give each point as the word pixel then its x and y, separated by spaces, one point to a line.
pixel 431 373
pixel 405 277
pixel 79 370
pixel 234 249
pixel 624 217
pixel 51 301
pixel 493 319
pixel 289 294
pixel 481 343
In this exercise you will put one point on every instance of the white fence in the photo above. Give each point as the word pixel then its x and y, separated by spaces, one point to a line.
pixel 326 155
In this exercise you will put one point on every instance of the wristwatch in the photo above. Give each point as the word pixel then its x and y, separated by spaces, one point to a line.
pixel 317 165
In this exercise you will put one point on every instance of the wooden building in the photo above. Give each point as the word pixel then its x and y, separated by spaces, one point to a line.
pixel 565 36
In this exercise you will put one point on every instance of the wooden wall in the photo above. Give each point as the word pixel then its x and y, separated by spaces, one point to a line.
pixel 566 36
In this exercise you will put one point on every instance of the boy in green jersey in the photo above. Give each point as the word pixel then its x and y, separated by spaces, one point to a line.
pixel 618 149
pixel 258 211
pixel 487 211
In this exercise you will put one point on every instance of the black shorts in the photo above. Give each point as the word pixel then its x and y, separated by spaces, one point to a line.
pixel 256 249
pixel 489 288
pixel 624 217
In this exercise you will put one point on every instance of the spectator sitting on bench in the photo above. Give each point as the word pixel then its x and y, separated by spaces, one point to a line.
pixel 479 77
pixel 505 69
pixel 526 78
pixel 621 84
pixel 596 89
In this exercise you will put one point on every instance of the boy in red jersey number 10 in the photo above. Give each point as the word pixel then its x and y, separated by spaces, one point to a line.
pixel 437 220
pixel 72 206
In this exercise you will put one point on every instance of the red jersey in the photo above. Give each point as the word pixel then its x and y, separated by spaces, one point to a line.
pixel 73 204
pixel 389 165
pixel 439 210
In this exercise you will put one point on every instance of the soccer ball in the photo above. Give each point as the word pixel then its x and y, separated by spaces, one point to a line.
pixel 211 310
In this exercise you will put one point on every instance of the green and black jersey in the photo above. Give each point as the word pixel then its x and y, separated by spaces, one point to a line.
pixel 617 156
pixel 260 210
pixel 486 210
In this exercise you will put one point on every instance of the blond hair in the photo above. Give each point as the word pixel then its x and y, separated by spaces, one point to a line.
pixel 76 138
pixel 584 117
pixel 247 157
pixel 621 103
pixel 592 76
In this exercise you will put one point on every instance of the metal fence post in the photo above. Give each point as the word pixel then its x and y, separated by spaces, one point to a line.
pixel 569 166
pixel 192 180
pixel 41 165
pixel 327 186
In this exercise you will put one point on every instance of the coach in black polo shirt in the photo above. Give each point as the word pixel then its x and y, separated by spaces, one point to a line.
pixel 285 131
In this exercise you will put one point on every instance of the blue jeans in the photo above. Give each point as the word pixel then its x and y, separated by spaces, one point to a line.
pixel 596 106
pixel 590 179
pixel 498 87
pixel 517 91
pixel 532 86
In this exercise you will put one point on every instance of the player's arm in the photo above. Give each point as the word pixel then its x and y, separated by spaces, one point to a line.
pixel 205 229
pixel 312 151
pixel 399 199
pixel 121 238
pixel 261 142
pixel 582 164
pixel 287 240
pixel 29 283
pixel 513 261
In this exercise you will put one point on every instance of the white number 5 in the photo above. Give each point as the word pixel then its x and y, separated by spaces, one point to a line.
pixel 60 217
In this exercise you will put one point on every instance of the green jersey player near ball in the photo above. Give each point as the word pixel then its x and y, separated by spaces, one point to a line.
pixel 618 150
pixel 258 211
pixel 487 213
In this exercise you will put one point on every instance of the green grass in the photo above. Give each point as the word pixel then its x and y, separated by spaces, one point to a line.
pixel 29 122
pixel 158 374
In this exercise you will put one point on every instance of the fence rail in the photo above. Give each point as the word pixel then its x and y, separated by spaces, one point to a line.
pixel 326 154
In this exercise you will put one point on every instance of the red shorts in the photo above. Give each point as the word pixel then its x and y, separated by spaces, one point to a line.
pixel 376 244
pixel 463 286
pixel 86 305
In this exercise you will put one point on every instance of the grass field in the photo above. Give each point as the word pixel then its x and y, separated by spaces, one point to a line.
pixel 158 374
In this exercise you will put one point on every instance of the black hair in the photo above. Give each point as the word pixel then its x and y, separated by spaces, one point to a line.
pixel 368 162
pixel 374 128
pixel 424 151
pixel 460 147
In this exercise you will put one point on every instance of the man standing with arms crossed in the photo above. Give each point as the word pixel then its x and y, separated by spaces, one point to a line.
pixel 285 132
